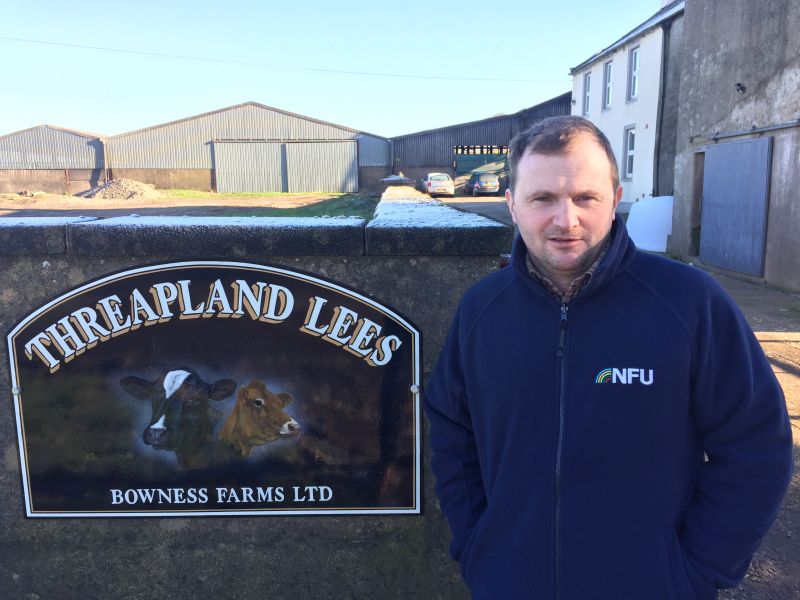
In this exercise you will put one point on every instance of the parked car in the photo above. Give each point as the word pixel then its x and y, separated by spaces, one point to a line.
pixel 437 183
pixel 502 176
pixel 482 183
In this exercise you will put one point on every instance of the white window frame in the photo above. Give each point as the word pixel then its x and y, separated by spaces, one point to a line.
pixel 634 62
pixel 628 152
pixel 608 74
pixel 587 87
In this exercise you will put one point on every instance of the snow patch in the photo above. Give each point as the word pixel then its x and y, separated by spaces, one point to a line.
pixel 41 221
pixel 418 212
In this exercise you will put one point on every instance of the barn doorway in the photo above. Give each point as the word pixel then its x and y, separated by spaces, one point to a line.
pixel 281 166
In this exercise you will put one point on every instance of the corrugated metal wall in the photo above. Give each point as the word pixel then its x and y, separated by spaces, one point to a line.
pixel 286 167
pixel 373 151
pixel 186 144
pixel 45 147
pixel 557 107
pixel 322 167
pixel 248 167
pixel 435 148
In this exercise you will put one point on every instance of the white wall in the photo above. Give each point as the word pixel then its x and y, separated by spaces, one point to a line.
pixel 642 112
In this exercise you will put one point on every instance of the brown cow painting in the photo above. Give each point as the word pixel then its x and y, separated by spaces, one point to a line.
pixel 258 418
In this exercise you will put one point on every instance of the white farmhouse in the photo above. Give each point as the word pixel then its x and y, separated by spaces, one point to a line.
pixel 630 91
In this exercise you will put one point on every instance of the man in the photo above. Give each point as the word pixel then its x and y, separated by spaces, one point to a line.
pixel 603 422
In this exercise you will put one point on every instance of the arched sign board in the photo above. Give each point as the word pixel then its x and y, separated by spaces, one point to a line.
pixel 216 388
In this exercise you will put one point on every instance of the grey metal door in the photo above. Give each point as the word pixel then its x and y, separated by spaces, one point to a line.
pixel 322 166
pixel 249 167
pixel 261 166
pixel 733 224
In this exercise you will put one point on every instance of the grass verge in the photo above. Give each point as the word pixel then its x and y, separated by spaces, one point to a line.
pixel 345 205
pixel 170 193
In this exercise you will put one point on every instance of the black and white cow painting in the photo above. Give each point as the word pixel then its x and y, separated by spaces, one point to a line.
pixel 183 418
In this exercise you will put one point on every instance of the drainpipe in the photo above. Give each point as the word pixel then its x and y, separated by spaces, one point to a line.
pixel 105 159
pixel 667 27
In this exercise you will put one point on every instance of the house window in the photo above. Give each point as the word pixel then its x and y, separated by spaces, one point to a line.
pixel 587 84
pixel 607 72
pixel 627 152
pixel 633 74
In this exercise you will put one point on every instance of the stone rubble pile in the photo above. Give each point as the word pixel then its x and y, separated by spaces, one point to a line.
pixel 123 189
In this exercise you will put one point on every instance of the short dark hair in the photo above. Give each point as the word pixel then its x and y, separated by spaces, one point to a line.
pixel 554 136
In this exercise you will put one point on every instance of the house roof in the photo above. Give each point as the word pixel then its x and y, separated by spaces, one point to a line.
pixel 251 103
pixel 487 120
pixel 93 136
pixel 665 14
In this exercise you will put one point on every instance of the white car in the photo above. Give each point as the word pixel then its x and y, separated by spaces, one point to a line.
pixel 438 183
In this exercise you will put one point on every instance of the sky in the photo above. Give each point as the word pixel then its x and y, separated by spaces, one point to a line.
pixel 383 68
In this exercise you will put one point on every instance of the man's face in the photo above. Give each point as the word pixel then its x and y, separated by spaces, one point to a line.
pixel 564 205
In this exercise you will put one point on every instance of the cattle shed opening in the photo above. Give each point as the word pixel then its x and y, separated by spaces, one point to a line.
pixel 446 149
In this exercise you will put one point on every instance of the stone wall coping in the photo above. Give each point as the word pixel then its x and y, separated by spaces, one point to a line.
pixel 420 226
pixel 401 226
pixel 212 237
pixel 36 235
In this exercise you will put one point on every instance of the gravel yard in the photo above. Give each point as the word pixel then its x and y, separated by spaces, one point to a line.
pixel 123 197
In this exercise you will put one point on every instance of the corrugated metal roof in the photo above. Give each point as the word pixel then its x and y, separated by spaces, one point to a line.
pixel 93 136
pixel 517 114
pixel 666 13
pixel 434 147
pixel 235 106
pixel 186 143
pixel 48 147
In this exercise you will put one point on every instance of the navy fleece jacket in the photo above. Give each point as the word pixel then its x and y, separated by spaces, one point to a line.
pixel 568 441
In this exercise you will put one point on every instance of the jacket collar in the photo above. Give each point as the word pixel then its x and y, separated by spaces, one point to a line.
pixel 621 251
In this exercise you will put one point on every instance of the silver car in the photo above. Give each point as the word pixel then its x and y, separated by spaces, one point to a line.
pixel 438 183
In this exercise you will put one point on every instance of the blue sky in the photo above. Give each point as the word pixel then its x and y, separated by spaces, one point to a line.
pixel 297 56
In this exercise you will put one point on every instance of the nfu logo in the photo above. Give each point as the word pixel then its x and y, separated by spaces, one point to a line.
pixel 625 376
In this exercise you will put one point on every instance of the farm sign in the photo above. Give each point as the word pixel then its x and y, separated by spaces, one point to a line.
pixel 216 388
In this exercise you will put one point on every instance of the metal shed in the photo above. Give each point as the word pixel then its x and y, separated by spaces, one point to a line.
pixel 51 159
pixel 435 149
pixel 249 147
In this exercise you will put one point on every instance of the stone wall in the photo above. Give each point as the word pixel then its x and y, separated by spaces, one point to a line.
pixel 58 181
pixel 741 68
pixel 416 260
pixel 369 179
pixel 52 181
pixel 174 179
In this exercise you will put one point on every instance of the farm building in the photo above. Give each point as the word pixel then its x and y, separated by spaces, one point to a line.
pixel 50 159
pixel 458 149
pixel 250 147
pixel 630 91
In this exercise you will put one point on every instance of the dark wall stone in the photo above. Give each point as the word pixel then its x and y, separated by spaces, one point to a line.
pixel 376 556
pixel 169 179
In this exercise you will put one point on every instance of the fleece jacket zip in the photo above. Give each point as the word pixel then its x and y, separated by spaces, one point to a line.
pixel 569 442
